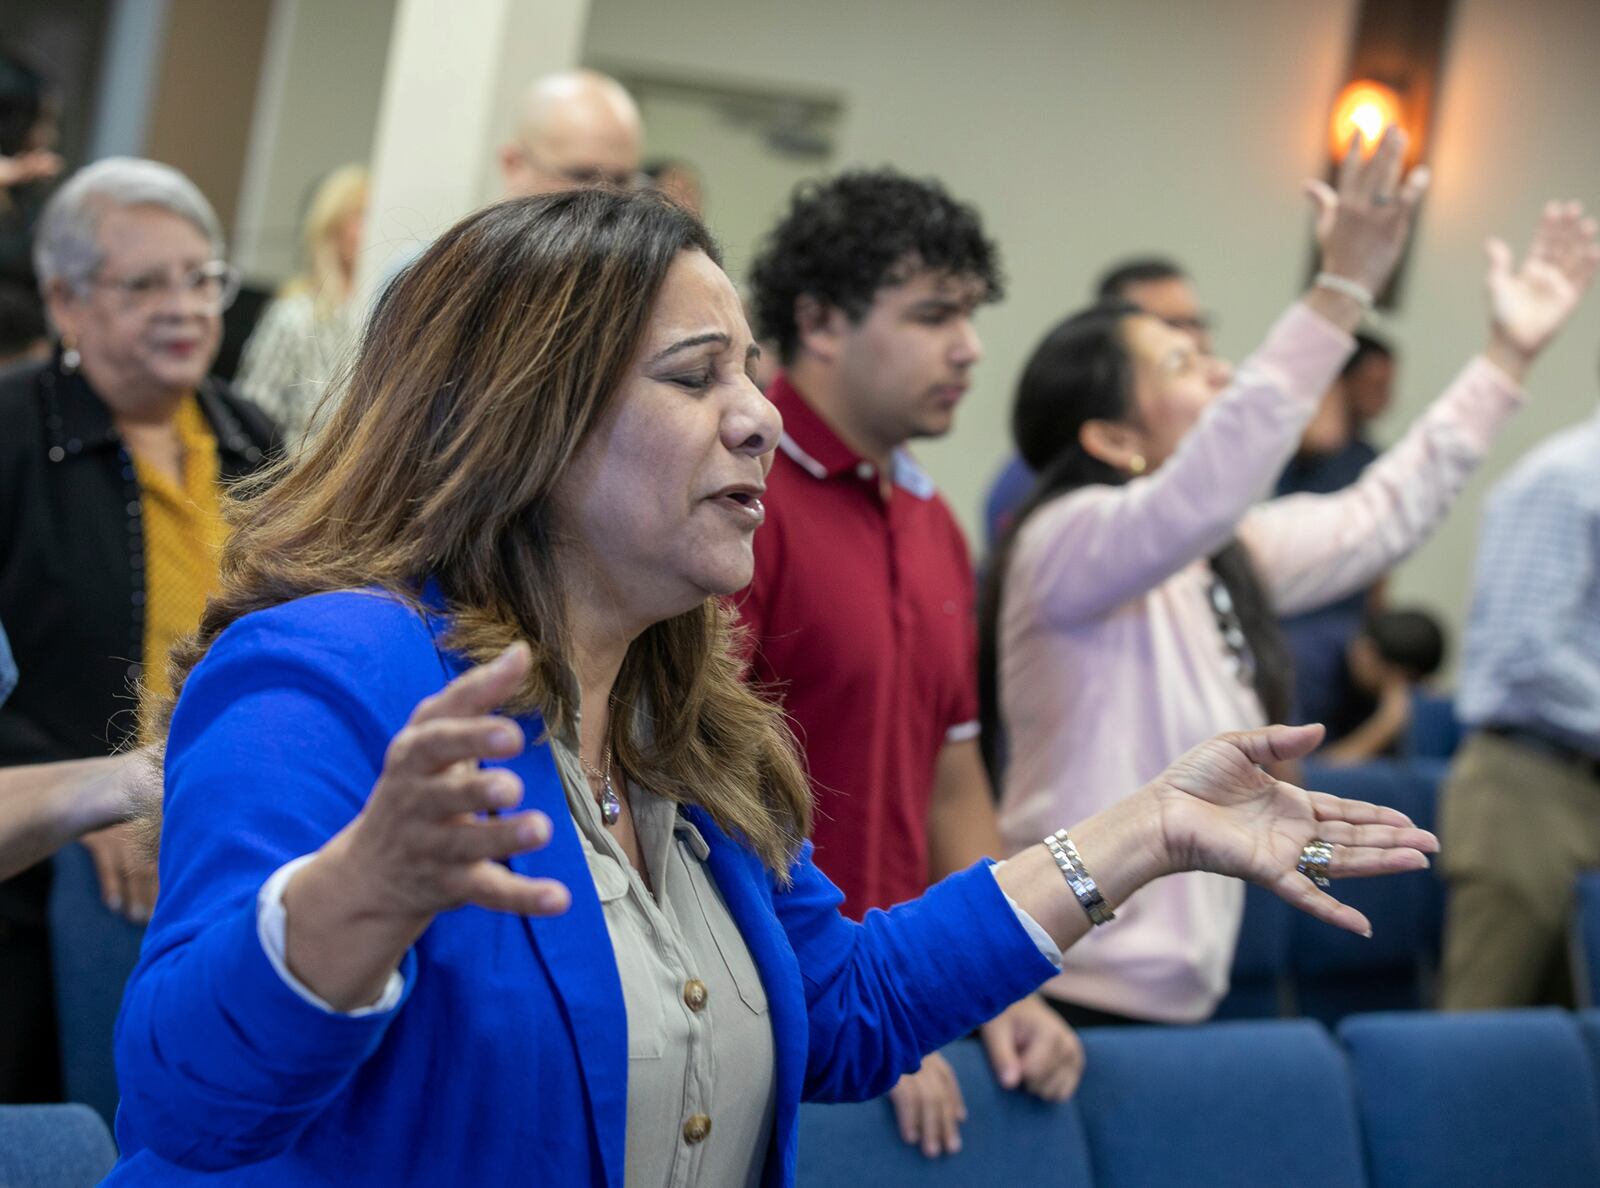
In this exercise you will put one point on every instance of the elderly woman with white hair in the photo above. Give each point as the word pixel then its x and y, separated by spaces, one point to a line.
pixel 112 468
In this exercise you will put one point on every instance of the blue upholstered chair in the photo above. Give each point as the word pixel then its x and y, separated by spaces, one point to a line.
pixel 1495 1099
pixel 1249 1105
pixel 1258 984
pixel 1435 731
pixel 1589 1028
pixel 1010 1138
pixel 1337 973
pixel 93 951
pixel 53 1146
pixel 1586 939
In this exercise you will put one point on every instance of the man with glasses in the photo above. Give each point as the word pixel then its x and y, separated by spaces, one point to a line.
pixel 112 469
pixel 577 128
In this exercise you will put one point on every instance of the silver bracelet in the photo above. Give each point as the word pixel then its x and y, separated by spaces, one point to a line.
pixel 1078 879
pixel 1355 290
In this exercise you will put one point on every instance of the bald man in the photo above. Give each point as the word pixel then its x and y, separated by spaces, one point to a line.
pixel 577 128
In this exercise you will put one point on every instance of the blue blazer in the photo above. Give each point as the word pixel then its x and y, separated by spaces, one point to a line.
pixel 507 1058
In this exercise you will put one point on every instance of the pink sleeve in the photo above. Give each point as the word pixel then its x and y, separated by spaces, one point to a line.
pixel 1093 550
pixel 1311 550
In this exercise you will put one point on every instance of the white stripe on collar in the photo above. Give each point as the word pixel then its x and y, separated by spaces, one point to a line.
pixel 907 474
pixel 807 463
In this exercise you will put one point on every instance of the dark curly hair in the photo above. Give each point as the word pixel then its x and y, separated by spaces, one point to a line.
pixel 846 237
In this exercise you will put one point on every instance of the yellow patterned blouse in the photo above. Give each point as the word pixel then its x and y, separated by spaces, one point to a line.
pixel 183 536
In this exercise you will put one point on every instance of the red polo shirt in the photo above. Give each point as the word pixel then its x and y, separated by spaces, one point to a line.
pixel 863 623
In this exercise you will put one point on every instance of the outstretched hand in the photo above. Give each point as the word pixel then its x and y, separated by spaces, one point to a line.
pixel 1362 225
pixel 1530 302
pixel 1220 812
pixel 434 835
pixel 423 842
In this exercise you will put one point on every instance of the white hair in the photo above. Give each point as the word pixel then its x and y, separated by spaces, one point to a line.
pixel 66 243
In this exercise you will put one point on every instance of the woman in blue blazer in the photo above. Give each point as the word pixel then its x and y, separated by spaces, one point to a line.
pixel 382 953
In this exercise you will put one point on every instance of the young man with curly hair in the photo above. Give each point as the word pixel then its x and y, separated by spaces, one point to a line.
pixel 861 612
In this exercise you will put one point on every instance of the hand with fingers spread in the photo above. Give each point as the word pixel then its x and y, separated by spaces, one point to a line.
pixel 423 844
pixel 1218 811
pixel 1530 302
pixel 1363 223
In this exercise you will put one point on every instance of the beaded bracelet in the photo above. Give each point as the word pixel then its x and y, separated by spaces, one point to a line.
pixel 1355 290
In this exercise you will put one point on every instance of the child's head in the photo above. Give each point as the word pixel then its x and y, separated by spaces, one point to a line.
pixel 1402 644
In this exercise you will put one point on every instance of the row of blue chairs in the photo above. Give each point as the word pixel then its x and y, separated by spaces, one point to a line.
pixel 1401 1101
pixel 1404 1100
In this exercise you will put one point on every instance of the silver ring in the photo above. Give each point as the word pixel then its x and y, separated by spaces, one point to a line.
pixel 1382 199
pixel 1314 861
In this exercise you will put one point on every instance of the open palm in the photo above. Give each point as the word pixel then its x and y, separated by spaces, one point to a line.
pixel 1220 812
pixel 1530 302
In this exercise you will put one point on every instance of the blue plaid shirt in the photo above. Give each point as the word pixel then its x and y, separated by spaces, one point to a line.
pixel 8 668
pixel 1532 651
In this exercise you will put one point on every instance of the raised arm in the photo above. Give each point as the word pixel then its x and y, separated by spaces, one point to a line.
pixel 1313 549
pixel 1096 548
pixel 903 982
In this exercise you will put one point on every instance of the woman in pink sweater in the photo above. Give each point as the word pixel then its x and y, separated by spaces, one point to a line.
pixel 1131 610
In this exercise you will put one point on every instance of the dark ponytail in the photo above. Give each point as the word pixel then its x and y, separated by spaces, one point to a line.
pixel 1082 372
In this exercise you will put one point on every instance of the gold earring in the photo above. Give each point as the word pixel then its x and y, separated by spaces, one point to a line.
pixel 1136 464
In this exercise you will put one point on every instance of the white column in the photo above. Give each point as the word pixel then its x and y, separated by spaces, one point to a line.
pixel 135 37
pixel 455 73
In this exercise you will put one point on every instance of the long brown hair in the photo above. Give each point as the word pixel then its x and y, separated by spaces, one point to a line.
pixel 483 371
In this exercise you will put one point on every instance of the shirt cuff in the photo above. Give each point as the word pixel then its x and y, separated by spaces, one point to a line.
pixel 271 927
pixel 1036 933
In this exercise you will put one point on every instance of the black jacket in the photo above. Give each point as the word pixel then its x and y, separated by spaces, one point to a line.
pixel 72 559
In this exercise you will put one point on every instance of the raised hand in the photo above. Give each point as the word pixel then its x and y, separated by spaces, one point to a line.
pixel 1362 226
pixel 421 841
pixel 1529 303
pixel 421 845
pixel 1220 812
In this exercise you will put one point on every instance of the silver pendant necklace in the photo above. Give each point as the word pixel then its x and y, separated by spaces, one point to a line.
pixel 610 805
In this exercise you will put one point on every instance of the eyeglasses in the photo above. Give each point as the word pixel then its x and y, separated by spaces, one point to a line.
pixel 1197 324
pixel 213 286
pixel 1241 659
pixel 582 176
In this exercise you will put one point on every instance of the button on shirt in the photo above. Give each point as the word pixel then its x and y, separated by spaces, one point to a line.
pixel 863 626
pixel 1531 657
pixel 702 1087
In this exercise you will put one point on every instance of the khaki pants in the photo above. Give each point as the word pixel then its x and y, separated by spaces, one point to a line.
pixel 1516 825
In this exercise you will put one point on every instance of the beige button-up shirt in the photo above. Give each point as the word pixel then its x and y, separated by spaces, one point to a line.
pixel 702 1089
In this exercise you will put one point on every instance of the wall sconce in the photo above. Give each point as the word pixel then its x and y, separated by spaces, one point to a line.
pixel 1366 107
pixel 1396 60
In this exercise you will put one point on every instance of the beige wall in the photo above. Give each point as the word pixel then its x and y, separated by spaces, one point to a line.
pixel 199 120
pixel 316 111
pixel 1087 131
